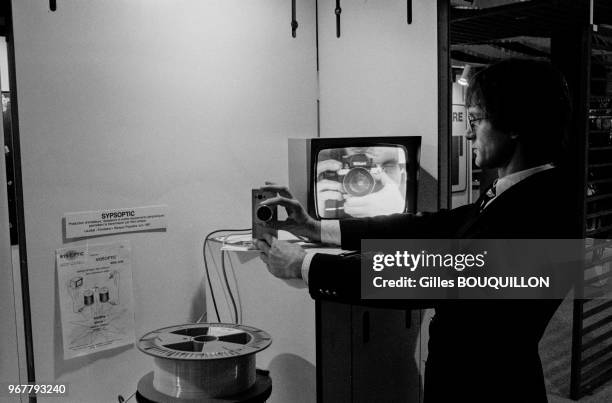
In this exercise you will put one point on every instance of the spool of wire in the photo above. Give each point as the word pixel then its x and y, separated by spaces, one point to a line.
pixel 88 297
pixel 104 294
pixel 203 360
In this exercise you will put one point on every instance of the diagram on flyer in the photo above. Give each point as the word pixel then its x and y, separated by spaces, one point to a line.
pixel 95 288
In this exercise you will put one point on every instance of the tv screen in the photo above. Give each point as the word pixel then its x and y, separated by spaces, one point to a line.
pixel 346 177
pixel 360 181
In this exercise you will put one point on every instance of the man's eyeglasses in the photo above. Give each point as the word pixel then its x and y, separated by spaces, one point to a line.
pixel 473 120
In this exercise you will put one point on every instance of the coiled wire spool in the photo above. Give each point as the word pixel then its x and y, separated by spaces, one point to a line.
pixel 204 360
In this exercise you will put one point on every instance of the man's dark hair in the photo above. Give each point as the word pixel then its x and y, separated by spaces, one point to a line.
pixel 526 97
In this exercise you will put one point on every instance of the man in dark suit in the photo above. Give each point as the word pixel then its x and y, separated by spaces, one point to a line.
pixel 479 351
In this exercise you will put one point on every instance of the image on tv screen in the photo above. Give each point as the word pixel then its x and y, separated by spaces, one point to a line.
pixel 360 181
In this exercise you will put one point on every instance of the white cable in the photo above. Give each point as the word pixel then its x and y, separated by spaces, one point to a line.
pixel 222 286
pixel 238 298
pixel 235 305
pixel 207 271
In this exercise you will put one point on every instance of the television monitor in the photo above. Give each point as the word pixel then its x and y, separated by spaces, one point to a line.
pixel 343 177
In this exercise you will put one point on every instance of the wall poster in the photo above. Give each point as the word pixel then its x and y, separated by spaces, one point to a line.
pixel 95 297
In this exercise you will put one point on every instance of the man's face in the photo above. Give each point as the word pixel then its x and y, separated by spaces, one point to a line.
pixel 389 159
pixel 493 148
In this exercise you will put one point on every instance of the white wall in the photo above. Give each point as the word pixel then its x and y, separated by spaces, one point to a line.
pixel 130 103
pixel 380 77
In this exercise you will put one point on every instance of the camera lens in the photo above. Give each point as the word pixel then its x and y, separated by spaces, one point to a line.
pixel 359 182
pixel 264 213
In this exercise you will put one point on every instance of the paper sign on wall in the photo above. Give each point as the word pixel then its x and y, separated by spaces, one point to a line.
pixel 108 222
pixel 95 296
pixel 459 149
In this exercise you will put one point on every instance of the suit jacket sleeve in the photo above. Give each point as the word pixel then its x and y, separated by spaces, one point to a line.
pixel 443 224
pixel 338 278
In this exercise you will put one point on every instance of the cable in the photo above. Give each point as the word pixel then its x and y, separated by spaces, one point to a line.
pixel 212 293
pixel 216 264
pixel 236 303
pixel 238 298
pixel 229 289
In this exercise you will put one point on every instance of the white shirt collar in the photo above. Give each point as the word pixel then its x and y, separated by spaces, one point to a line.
pixel 505 183
pixel 508 181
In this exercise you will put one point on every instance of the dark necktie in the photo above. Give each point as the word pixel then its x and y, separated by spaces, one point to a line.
pixel 487 196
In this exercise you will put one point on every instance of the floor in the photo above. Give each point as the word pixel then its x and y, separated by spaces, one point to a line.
pixel 555 352
pixel 602 395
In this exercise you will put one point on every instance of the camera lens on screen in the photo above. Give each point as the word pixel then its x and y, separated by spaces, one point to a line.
pixel 264 213
pixel 359 182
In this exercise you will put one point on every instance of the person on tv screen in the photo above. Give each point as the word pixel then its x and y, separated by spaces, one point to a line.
pixel 479 350
pixel 361 181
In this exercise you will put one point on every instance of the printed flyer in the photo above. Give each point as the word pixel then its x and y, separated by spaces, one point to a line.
pixel 96 304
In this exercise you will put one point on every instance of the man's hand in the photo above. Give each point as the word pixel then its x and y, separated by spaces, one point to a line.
pixel 284 259
pixel 327 187
pixel 298 222
pixel 328 190
pixel 388 200
pixel 328 166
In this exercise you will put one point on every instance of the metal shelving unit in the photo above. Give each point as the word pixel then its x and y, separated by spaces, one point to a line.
pixel 592 341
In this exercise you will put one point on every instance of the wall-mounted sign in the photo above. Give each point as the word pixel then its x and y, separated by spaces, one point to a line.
pixel 459 149
pixel 108 222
